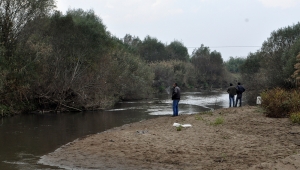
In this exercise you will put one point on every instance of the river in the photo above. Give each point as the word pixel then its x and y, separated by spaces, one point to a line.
pixel 25 138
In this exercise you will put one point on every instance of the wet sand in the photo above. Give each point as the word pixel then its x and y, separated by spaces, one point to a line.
pixel 245 140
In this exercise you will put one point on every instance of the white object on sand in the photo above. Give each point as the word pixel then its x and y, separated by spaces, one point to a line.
pixel 184 125
pixel 176 124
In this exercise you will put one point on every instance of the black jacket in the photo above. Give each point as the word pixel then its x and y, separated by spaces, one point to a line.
pixel 240 89
pixel 176 93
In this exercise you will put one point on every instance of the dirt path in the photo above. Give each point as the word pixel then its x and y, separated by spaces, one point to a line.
pixel 245 140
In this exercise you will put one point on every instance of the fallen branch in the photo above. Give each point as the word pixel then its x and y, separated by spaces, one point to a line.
pixel 79 110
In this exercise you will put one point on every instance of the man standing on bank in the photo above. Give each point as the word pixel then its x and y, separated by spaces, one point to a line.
pixel 232 92
pixel 240 91
pixel 175 98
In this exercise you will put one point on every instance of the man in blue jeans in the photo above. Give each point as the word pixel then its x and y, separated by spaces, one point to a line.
pixel 232 92
pixel 175 98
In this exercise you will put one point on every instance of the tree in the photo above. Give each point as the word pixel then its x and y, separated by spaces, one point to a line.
pixel 296 74
pixel 14 15
pixel 288 68
pixel 132 41
pixel 168 72
pixel 209 66
pixel 177 51
pixel 79 65
pixel 67 50
pixel 233 64
pixel 16 66
pixel 152 50
pixel 273 55
pixel 251 65
pixel 200 58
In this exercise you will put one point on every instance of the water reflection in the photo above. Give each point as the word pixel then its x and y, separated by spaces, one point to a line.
pixel 190 103
pixel 25 138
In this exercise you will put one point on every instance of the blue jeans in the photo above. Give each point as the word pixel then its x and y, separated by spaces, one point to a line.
pixel 175 107
pixel 231 100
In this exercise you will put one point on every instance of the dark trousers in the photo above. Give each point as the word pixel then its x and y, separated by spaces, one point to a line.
pixel 238 99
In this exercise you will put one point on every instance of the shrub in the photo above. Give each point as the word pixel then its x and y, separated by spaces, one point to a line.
pixel 280 103
pixel 218 121
pixel 198 117
pixel 179 128
pixel 295 117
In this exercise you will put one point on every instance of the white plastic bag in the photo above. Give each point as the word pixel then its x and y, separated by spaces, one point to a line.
pixel 184 125
pixel 176 124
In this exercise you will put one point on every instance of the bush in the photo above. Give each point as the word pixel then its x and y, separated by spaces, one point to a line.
pixel 179 128
pixel 218 121
pixel 295 117
pixel 280 103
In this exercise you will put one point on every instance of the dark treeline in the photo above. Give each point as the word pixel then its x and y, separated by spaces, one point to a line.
pixel 71 62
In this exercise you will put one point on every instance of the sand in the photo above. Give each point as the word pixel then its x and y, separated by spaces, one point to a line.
pixel 246 139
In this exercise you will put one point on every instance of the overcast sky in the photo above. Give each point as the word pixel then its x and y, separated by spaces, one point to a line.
pixel 231 27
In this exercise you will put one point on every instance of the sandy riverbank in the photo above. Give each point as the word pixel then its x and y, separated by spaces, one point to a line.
pixel 245 140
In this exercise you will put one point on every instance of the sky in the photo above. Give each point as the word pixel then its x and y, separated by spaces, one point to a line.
pixel 232 27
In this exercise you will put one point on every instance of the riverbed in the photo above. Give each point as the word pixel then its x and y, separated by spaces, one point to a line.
pixel 25 138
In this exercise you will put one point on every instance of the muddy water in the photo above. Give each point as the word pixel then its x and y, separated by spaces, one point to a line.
pixel 25 138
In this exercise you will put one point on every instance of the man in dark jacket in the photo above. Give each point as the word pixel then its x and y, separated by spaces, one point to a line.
pixel 232 92
pixel 240 91
pixel 175 98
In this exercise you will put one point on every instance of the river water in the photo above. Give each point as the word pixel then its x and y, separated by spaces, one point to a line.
pixel 25 138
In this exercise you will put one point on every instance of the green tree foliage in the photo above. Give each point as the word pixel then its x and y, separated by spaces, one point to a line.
pixel 273 65
pixel 168 72
pixel 251 65
pixel 209 67
pixel 14 15
pixel 132 42
pixel 152 50
pixel 233 64
pixel 296 74
pixel 289 67
pixel 67 48
pixel 273 52
pixel 91 64
pixel 200 59
pixel 134 77
pixel 71 62
pixel 177 51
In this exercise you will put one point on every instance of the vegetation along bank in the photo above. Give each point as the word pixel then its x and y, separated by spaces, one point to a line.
pixel 57 62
